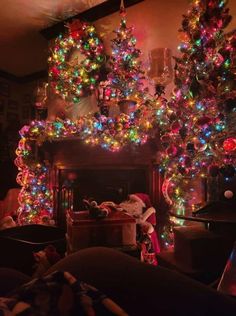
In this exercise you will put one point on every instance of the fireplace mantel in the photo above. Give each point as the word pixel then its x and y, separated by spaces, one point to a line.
pixel 73 153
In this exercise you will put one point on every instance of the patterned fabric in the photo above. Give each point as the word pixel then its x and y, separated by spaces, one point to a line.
pixel 54 295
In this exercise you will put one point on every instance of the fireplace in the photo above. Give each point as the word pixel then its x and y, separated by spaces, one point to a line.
pixel 115 185
pixel 80 171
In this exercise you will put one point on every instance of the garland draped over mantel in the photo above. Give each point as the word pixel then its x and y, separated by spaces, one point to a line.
pixel 113 134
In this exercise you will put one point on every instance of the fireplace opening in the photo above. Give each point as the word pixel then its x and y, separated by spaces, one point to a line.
pixel 74 185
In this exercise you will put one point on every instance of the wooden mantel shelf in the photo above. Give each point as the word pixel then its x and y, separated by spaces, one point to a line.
pixel 73 153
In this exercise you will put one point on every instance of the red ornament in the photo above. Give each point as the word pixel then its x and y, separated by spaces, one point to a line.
pixel 175 127
pixel 76 34
pixel 229 144
pixel 55 71
pixel 75 25
pixel 172 151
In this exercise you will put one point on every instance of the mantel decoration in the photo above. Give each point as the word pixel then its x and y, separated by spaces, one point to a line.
pixel 197 124
pixel 110 133
pixel 74 77
pixel 126 72
pixel 35 198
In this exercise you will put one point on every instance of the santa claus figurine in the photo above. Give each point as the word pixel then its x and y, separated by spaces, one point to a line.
pixel 139 206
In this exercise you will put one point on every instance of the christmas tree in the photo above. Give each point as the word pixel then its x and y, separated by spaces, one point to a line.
pixel 126 72
pixel 198 125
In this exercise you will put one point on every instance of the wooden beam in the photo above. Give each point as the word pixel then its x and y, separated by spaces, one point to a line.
pixel 104 9
pixel 100 11
pixel 24 79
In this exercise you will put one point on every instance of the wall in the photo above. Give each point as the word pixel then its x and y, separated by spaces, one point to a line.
pixel 16 110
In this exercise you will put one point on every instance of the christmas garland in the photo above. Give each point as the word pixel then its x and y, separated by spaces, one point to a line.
pixel 35 198
pixel 70 78
pixel 108 132
pixel 36 203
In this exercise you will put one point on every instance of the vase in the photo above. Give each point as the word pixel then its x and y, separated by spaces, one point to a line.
pixel 127 106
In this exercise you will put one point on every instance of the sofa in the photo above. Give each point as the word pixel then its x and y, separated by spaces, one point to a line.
pixel 139 288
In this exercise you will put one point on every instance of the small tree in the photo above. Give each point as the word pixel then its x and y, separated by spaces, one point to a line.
pixel 125 66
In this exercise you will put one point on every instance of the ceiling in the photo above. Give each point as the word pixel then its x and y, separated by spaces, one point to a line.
pixel 20 23
pixel 24 50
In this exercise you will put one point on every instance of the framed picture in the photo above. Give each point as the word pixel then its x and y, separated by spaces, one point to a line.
pixel 2 106
pixel 12 106
pixel 4 89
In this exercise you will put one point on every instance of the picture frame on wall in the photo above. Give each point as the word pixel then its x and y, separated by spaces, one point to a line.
pixel 4 89
pixel 2 106
pixel 12 106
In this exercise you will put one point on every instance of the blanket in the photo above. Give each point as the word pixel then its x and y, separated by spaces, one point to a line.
pixel 58 294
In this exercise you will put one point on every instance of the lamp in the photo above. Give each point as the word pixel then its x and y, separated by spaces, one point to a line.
pixel 160 71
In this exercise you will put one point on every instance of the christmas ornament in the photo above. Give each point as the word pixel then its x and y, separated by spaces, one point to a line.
pixel 228 194
pixel 229 144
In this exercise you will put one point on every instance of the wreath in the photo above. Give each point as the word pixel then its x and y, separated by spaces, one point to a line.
pixel 71 77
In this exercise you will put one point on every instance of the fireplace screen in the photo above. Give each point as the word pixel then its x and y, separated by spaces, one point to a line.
pixel 101 185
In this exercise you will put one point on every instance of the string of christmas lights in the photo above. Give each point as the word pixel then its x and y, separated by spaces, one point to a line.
pixel 74 80
pixel 110 133
pixel 126 72
pixel 35 198
pixel 198 125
